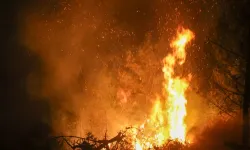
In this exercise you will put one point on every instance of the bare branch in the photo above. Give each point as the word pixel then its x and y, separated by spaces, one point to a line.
pixel 224 48
pixel 225 89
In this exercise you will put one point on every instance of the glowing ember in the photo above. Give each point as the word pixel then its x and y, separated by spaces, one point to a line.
pixel 168 124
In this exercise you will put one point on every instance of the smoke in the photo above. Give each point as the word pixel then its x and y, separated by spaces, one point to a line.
pixel 79 43
pixel 86 45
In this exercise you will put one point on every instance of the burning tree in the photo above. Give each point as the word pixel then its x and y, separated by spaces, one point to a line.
pixel 165 126
pixel 167 119
pixel 169 110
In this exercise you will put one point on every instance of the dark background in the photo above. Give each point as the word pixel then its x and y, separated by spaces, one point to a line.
pixel 20 117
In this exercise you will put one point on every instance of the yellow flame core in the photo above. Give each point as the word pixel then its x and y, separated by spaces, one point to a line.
pixel 175 87
pixel 169 124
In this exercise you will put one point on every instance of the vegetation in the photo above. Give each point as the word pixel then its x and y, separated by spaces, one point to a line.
pixel 137 72
pixel 226 49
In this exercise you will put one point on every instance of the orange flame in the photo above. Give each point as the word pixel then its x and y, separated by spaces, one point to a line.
pixel 169 124
pixel 175 87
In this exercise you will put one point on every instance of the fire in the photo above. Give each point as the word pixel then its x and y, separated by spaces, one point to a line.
pixel 175 87
pixel 167 118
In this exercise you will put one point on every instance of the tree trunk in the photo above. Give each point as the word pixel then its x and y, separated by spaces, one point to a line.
pixel 246 100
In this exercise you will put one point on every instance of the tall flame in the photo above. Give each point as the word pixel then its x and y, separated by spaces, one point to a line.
pixel 168 124
pixel 175 87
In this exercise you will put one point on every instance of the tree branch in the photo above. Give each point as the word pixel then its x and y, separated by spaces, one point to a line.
pixel 224 48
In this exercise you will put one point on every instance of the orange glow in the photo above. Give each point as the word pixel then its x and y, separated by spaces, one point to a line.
pixel 167 118
pixel 175 87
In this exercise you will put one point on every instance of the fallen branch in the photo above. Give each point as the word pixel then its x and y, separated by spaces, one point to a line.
pixel 91 143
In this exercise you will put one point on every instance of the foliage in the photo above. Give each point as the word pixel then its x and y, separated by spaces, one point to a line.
pixel 225 48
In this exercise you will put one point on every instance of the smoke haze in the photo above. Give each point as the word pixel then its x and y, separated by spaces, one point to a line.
pixel 101 60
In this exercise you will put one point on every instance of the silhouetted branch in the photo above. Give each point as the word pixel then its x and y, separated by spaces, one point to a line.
pixel 91 143
pixel 119 142
pixel 223 48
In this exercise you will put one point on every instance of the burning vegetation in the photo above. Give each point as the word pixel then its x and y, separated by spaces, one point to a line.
pixel 158 81
pixel 167 120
